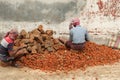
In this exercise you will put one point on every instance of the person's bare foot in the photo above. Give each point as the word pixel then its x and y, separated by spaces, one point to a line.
pixel 4 64
pixel 16 65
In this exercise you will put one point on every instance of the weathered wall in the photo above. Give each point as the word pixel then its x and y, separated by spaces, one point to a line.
pixel 52 11
pixel 101 19
pixel 28 14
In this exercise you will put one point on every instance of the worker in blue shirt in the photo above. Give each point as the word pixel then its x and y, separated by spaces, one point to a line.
pixel 77 37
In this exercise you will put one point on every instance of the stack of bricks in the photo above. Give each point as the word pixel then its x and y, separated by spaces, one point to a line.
pixel 37 41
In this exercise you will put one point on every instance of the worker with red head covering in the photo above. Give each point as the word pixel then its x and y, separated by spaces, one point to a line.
pixel 78 35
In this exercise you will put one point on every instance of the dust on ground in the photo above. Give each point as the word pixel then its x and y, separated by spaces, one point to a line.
pixel 106 72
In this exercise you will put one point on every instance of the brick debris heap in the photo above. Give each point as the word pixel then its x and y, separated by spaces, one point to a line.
pixel 48 54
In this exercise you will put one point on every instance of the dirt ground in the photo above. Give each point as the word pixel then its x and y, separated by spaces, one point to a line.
pixel 106 72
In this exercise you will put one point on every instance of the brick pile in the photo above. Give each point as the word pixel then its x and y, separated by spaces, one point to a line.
pixel 67 60
pixel 37 41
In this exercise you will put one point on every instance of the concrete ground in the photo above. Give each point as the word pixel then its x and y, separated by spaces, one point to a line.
pixel 106 72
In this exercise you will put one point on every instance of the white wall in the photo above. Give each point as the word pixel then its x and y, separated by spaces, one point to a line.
pixel 100 27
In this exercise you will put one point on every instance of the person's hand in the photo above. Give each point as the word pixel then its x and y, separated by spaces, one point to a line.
pixel 21 52
pixel 70 25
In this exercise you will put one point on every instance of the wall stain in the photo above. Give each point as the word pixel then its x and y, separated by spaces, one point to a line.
pixel 35 11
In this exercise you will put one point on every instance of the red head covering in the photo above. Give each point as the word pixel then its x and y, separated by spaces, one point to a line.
pixel 76 21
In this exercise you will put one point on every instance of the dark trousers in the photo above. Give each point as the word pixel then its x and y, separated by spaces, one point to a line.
pixel 6 58
pixel 74 46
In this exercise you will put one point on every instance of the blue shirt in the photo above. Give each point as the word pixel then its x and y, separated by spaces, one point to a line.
pixel 78 34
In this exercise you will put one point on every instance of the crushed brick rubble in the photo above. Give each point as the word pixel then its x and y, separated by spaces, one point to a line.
pixel 67 60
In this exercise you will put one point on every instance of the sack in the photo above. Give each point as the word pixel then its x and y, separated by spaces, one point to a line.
pixel 114 42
